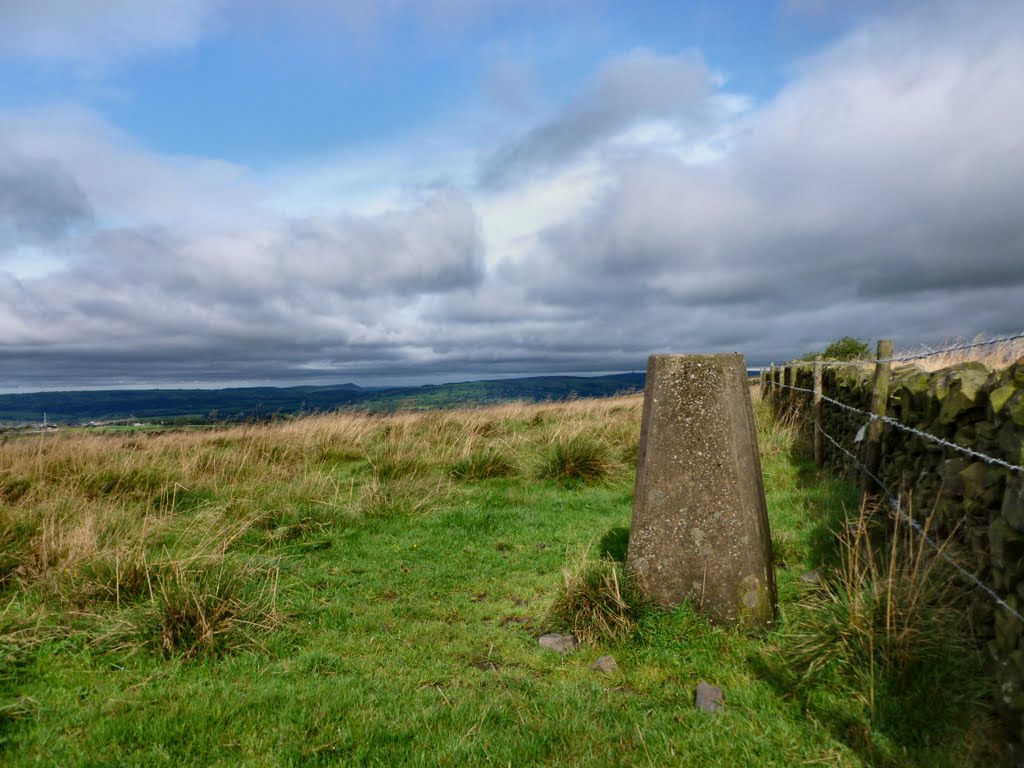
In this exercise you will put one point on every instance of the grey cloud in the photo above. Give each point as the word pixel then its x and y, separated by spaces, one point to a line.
pixel 877 195
pixel 434 247
pixel 509 86
pixel 122 181
pixel 142 302
pixel 39 199
pixel 637 85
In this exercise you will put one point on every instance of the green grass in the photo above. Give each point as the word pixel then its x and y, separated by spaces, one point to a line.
pixel 369 591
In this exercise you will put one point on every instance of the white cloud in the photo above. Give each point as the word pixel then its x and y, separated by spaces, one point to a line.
pixel 124 183
pixel 877 194
pixel 101 28
pixel 629 88
pixel 107 30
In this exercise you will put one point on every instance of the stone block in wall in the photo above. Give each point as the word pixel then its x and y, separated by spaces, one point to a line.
pixel 1012 510
pixel 977 538
pixel 999 396
pixel 854 382
pixel 975 434
pixel 981 615
pixel 966 435
pixel 946 512
pixel 1010 440
pixel 1014 374
pixel 983 482
pixel 958 389
pixel 950 474
pixel 905 390
pixel 1006 546
pixel 1008 630
pixel 1014 408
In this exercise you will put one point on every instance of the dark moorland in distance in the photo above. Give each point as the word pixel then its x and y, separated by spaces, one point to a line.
pixel 195 406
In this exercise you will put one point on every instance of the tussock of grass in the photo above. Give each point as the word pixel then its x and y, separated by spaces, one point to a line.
pixel 20 638
pixel 887 628
pixel 786 550
pixel 614 545
pixel 15 534
pixel 592 603
pixel 205 609
pixel 399 498
pixel 399 576
pixel 13 489
pixel 178 498
pixel 123 482
pixel 483 464
pixel 577 459
pixel 111 578
pixel 778 433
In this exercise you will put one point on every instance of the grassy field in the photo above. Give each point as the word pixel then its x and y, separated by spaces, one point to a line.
pixel 349 589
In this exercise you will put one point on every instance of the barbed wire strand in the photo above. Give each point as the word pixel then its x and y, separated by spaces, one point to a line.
pixel 955 348
pixel 900 425
pixel 908 358
pixel 919 529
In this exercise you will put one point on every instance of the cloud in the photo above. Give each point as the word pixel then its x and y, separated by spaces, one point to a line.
pixel 814 7
pixel 640 84
pixel 73 149
pixel 146 301
pixel 876 195
pixel 101 28
pixel 104 30
pixel 39 200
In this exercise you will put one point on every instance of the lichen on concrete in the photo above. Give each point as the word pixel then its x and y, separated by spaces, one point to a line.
pixel 700 524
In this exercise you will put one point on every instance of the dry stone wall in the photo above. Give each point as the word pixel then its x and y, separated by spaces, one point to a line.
pixel 977 505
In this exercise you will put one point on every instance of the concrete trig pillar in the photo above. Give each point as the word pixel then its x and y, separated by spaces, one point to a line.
pixel 700 522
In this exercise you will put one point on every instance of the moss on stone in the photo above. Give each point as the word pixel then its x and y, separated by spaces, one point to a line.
pixel 963 390
pixel 999 396
pixel 1013 504
pixel 1014 408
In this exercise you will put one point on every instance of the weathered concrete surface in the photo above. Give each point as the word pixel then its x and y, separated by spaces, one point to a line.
pixel 700 524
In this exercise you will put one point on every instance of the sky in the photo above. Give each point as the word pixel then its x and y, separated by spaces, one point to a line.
pixel 228 192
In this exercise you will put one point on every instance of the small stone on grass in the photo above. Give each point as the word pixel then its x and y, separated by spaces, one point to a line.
pixel 710 698
pixel 561 643
pixel 810 577
pixel 605 664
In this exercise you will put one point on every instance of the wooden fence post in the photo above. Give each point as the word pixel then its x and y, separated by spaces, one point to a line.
pixel 792 401
pixel 819 445
pixel 879 400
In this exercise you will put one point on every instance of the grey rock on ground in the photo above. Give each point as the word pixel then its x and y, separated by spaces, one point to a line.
pixel 810 577
pixel 710 698
pixel 561 643
pixel 605 664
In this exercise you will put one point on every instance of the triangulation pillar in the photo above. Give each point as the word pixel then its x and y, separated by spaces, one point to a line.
pixel 700 523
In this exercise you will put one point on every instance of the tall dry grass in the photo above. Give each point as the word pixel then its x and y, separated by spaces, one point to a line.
pixel 168 523
pixel 885 632
pixel 993 356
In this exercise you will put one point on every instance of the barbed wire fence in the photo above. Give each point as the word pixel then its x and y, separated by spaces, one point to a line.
pixel 894 499
pixel 927 354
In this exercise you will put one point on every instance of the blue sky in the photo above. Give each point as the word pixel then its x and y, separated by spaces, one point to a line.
pixel 218 191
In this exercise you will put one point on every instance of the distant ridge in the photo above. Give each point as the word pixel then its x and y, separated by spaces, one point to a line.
pixel 255 403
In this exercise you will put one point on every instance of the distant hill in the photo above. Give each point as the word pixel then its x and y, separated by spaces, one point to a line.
pixel 245 403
